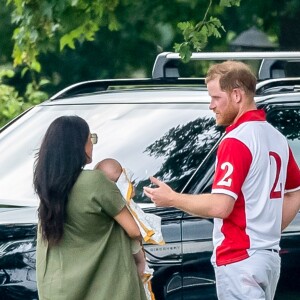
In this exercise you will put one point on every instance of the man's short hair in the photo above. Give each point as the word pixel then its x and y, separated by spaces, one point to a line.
pixel 233 74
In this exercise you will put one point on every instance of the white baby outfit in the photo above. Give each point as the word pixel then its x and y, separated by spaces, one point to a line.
pixel 149 224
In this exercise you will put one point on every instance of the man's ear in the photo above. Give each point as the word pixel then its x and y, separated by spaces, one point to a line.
pixel 237 94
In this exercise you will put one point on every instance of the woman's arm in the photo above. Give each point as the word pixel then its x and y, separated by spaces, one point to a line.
pixel 127 222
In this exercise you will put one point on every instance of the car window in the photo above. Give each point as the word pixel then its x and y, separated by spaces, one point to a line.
pixel 165 140
pixel 287 121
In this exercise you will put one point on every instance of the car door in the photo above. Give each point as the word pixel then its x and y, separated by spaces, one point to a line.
pixel 166 260
pixel 190 276
pixel 198 280
pixel 285 116
pixel 197 273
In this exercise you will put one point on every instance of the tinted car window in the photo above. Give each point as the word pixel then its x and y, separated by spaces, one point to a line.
pixel 165 140
pixel 287 121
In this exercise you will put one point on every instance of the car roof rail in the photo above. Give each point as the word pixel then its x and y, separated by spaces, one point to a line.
pixel 95 86
pixel 279 85
pixel 272 65
pixel 88 87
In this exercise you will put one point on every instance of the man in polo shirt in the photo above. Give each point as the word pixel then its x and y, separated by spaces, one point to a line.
pixel 255 193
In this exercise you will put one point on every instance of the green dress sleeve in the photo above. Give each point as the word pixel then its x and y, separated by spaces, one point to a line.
pixel 106 194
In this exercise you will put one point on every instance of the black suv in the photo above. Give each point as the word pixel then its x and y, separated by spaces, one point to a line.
pixel 158 126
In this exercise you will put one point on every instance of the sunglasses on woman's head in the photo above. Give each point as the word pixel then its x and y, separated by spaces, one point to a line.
pixel 94 138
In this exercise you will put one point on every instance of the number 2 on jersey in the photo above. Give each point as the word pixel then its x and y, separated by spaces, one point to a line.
pixel 226 180
pixel 276 194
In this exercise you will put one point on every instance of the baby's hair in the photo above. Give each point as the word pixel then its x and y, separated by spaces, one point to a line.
pixel 110 167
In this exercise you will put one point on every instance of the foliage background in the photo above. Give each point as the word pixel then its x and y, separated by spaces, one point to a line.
pixel 47 45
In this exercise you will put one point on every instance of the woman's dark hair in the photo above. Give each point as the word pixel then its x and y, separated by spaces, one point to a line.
pixel 58 164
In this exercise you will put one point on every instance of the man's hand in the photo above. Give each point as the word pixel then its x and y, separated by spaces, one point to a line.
pixel 163 195
pixel 202 205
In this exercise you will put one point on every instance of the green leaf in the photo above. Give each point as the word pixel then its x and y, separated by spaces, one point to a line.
pixel 113 23
pixel 66 40
pixel 24 71
pixel 36 66
pixel 44 81
pixel 6 73
pixel 184 50
pixel 229 3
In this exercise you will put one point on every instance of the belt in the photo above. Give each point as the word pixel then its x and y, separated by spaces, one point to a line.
pixel 272 250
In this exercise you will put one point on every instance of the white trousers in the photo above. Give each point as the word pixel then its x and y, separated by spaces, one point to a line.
pixel 254 278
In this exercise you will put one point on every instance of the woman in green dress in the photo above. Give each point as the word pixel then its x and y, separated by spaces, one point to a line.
pixel 85 230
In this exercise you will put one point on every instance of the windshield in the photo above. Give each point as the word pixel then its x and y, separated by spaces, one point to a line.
pixel 164 140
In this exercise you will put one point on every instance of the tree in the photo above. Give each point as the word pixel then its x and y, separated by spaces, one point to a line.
pixel 67 41
pixel 12 103
pixel 196 36
pixel 43 28
pixel 42 23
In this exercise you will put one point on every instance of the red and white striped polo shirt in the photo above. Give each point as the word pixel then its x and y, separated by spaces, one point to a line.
pixel 255 166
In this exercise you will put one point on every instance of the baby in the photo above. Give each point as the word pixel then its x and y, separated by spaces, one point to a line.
pixel 112 169
pixel 149 224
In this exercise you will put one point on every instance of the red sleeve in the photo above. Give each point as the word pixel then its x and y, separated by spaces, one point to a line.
pixel 293 173
pixel 232 166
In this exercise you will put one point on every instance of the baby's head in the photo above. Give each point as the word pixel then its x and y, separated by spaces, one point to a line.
pixel 110 167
